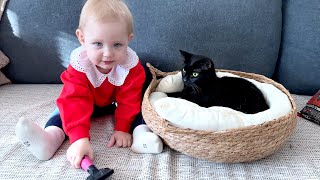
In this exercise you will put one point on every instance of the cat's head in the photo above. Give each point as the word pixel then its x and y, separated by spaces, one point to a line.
pixel 198 70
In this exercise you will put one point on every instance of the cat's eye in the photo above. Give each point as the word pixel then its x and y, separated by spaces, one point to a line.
pixel 195 74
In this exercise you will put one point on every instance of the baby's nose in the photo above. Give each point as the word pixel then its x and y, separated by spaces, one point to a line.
pixel 107 52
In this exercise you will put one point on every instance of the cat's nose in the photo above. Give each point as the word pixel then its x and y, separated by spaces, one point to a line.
pixel 184 79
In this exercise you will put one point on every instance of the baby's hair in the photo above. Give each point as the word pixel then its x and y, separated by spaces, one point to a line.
pixel 104 10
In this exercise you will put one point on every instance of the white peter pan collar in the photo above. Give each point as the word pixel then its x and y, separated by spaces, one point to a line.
pixel 80 62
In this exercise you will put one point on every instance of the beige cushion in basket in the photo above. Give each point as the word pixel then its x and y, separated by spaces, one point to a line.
pixel 171 83
pixel 185 114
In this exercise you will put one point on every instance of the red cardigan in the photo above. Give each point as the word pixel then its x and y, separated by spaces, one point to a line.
pixel 78 98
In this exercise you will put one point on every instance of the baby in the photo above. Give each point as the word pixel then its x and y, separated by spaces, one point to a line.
pixel 104 75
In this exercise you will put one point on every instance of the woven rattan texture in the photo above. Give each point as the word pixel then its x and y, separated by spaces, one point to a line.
pixel 234 145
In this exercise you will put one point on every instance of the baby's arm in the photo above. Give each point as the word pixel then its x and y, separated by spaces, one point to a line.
pixel 128 98
pixel 78 150
pixel 76 106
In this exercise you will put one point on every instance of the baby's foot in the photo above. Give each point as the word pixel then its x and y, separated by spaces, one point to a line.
pixel 145 141
pixel 41 143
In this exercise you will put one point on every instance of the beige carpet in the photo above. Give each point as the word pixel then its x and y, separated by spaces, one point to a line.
pixel 299 158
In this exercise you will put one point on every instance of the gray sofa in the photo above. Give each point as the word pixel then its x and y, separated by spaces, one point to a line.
pixel 278 39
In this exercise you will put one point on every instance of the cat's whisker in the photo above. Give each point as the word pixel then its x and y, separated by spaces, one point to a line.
pixel 197 89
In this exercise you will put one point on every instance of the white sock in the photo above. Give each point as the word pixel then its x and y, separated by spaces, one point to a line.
pixel 145 141
pixel 42 143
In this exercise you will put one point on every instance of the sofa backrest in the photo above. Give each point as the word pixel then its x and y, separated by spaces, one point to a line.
pixel 39 36
pixel 299 58
pixel 240 35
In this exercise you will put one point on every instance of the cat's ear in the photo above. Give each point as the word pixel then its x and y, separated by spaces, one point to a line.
pixel 207 64
pixel 187 56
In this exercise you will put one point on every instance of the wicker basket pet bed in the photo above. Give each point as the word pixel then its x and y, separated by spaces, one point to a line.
pixel 234 145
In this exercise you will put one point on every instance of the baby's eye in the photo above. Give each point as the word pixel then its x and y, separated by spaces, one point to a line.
pixel 117 45
pixel 195 74
pixel 99 44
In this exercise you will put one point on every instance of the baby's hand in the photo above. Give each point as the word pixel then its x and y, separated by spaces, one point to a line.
pixel 120 139
pixel 77 150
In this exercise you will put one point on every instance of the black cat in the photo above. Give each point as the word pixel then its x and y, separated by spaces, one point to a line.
pixel 203 87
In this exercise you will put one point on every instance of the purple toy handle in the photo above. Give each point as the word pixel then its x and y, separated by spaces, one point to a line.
pixel 85 163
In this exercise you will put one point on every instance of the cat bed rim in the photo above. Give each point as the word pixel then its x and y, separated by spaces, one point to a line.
pixel 155 73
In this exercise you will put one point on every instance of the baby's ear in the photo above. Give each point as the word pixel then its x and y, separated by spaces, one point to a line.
pixel 130 37
pixel 80 36
pixel 187 56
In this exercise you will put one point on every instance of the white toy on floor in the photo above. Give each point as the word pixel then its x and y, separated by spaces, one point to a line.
pixel 145 141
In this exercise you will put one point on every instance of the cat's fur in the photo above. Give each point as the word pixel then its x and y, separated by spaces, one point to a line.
pixel 206 89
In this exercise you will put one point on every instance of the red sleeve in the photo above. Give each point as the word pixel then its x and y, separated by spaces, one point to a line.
pixel 128 98
pixel 75 104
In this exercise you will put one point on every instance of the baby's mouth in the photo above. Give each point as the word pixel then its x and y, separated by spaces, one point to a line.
pixel 107 62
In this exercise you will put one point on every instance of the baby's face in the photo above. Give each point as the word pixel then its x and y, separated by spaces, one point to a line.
pixel 106 43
